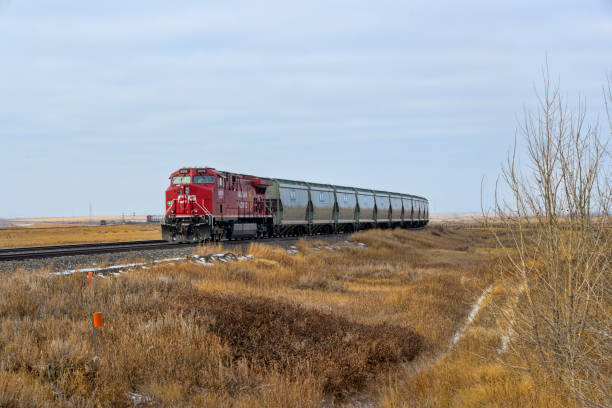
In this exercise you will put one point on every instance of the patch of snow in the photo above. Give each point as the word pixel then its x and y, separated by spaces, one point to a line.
pixel 471 317
pixel 209 260
pixel 182 258
pixel 104 268
pixel 506 337
pixel 119 269
pixel 139 399
pixel 245 258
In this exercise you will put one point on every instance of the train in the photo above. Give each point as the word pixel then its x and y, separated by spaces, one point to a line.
pixel 204 204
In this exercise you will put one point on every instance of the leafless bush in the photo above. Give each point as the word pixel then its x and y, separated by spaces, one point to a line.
pixel 558 249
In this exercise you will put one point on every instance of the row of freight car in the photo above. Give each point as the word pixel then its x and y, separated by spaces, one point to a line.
pixel 328 208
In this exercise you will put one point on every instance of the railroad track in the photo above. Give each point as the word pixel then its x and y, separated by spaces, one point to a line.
pixel 13 254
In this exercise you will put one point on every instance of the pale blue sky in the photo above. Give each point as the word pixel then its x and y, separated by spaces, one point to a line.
pixel 102 100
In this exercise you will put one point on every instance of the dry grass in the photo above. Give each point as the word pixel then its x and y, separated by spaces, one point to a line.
pixel 21 237
pixel 41 222
pixel 471 373
pixel 315 328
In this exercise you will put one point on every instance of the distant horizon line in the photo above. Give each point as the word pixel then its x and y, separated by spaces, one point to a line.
pixel 132 215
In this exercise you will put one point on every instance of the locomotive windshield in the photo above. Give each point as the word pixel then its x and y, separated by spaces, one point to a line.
pixel 204 180
pixel 181 180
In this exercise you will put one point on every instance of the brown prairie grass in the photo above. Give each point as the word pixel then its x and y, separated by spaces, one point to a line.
pixel 22 237
pixel 316 328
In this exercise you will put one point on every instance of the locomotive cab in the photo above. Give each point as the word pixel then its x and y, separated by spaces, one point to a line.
pixel 190 194
pixel 206 204
pixel 189 203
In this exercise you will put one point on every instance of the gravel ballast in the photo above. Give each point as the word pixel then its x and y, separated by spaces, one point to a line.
pixel 64 263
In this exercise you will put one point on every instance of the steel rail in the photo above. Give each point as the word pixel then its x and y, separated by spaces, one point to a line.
pixel 98 244
pixel 13 254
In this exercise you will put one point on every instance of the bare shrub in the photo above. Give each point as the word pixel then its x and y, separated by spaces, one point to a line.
pixel 344 354
pixel 557 250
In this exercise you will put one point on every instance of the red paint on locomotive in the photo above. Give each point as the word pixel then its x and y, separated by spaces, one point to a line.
pixel 195 193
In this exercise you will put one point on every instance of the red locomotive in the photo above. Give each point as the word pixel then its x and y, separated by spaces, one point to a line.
pixel 204 203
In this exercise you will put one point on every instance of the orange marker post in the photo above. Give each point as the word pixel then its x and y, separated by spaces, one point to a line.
pixel 96 322
pixel 89 276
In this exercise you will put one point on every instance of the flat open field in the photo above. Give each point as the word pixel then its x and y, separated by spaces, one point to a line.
pixel 400 320
pixel 456 218
pixel 73 234
pixel 33 222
